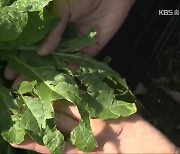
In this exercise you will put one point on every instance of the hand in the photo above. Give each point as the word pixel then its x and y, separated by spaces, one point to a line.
pixel 106 16
pixel 123 135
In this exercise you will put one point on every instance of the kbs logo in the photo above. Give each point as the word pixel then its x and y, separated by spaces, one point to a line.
pixel 169 12
pixel 166 12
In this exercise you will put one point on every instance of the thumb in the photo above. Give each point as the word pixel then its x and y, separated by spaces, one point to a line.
pixel 52 40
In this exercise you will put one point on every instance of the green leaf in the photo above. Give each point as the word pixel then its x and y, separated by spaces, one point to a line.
pixel 15 134
pixel 108 91
pixel 55 83
pixel 2 3
pixel 1 81
pixel 36 68
pixel 5 3
pixel 39 24
pixel 77 43
pixel 97 91
pixel 7 99
pixel 12 23
pixel 1 139
pixel 7 148
pixel 111 106
pixel 54 140
pixel 36 137
pixel 3 107
pixel 89 67
pixel 26 87
pixel 29 122
pixel 66 86
pixel 30 5
pixel 47 94
pixel 5 121
pixel 82 136
pixel 39 110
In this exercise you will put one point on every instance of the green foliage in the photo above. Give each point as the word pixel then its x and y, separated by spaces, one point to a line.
pixel 12 23
pixel 54 140
pixel 30 5
pixel 78 43
pixel 25 22
pixel 97 90
pixel 4 3
pixel 94 88
pixel 1 81
pixel 7 149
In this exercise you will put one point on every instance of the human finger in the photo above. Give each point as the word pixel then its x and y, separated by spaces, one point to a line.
pixel 65 107
pixel 106 23
pixel 32 145
pixel 19 79
pixel 10 74
pixel 29 144
pixel 177 151
pixel 51 42
pixel 65 123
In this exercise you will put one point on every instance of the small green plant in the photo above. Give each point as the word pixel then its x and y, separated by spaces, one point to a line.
pixel 97 90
